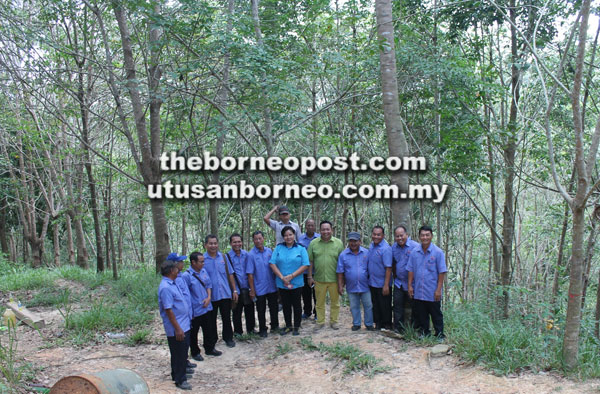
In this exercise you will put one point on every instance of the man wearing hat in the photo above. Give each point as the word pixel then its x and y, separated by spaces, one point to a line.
pixel 284 220
pixel 353 272
pixel 175 315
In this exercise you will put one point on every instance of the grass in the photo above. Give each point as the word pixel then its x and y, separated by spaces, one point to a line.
pixel 12 368
pixel 139 337
pixel 355 360
pixel 247 337
pixel 109 314
pixel 280 350
pixel 50 297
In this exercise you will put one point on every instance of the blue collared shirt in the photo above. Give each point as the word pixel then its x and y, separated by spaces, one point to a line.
pixel 258 265
pixel 198 291
pixel 185 290
pixel 426 267
pixel 401 255
pixel 380 258
pixel 171 297
pixel 240 264
pixel 218 276
pixel 304 239
pixel 355 269
pixel 288 260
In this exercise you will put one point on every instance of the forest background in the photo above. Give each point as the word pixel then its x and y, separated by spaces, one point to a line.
pixel 501 97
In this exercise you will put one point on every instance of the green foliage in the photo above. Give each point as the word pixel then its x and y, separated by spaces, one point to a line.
pixel 139 337
pixel 355 360
pixel 28 279
pixel 281 349
pixel 51 297
pixel 12 368
pixel 87 277
pixel 139 287
pixel 109 314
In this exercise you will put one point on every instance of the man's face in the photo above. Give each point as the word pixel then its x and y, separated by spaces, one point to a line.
pixel 212 246
pixel 326 231
pixel 284 217
pixel 259 241
pixel 354 244
pixel 236 244
pixel 199 263
pixel 310 226
pixel 400 236
pixel 180 265
pixel 425 236
pixel 377 236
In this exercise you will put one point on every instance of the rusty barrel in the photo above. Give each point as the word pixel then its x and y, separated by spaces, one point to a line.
pixel 114 381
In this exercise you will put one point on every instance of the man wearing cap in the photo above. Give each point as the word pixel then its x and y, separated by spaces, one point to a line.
pixel 180 282
pixel 427 268
pixel 400 254
pixel 200 287
pixel 223 282
pixel 174 312
pixel 323 253
pixel 380 273
pixel 284 220
pixel 353 272
pixel 308 292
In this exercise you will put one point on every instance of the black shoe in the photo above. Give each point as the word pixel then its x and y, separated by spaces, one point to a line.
pixel 197 357
pixel 189 371
pixel 370 328
pixel 214 352
pixel 263 334
pixel 355 328
pixel 285 331
pixel 230 343
pixel 184 385
pixel 295 333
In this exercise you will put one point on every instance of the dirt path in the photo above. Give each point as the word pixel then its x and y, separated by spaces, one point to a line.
pixel 251 367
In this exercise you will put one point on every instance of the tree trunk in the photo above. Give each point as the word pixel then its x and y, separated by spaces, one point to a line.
pixel 391 107
pixel 70 245
pixel 56 243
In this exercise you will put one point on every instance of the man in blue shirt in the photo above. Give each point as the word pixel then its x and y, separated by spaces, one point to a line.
pixel 380 273
pixel 174 312
pixel 400 253
pixel 183 287
pixel 223 282
pixel 353 271
pixel 200 287
pixel 261 280
pixel 308 292
pixel 238 257
pixel 427 268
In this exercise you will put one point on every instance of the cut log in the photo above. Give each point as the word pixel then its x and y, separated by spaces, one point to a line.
pixel 26 316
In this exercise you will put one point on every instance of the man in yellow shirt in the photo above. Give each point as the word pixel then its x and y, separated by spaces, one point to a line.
pixel 323 253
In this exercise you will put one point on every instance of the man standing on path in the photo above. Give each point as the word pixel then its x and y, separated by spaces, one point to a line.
pixel 284 220
pixel 223 282
pixel 176 320
pixel 427 267
pixel 380 273
pixel 239 258
pixel 180 282
pixel 308 292
pixel 400 253
pixel 353 271
pixel 323 253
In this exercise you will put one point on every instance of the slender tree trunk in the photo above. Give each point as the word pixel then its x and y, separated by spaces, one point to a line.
pixel 56 242
pixel 69 234
pixel 3 219
pixel 396 139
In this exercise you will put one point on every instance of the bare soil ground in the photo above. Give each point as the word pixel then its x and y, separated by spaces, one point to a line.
pixel 253 367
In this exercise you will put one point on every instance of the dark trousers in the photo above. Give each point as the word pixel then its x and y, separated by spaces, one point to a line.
pixel 248 314
pixel 401 301
pixel 291 299
pixel 308 296
pixel 224 309
pixel 423 310
pixel 382 308
pixel 179 353
pixel 209 332
pixel 261 308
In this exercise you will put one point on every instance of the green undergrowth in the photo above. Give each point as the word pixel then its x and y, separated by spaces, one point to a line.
pixel 517 344
pixel 355 360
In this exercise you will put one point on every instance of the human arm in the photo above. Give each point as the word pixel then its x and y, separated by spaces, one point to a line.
pixel 340 278
pixel 206 301
pixel 386 282
pixel 311 267
pixel 411 291
pixel 267 217
pixel 251 284
pixel 179 334
pixel 437 296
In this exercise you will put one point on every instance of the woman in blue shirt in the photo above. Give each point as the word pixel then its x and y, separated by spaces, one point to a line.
pixel 288 262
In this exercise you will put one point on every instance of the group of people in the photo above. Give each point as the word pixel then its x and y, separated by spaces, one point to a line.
pixel 301 268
